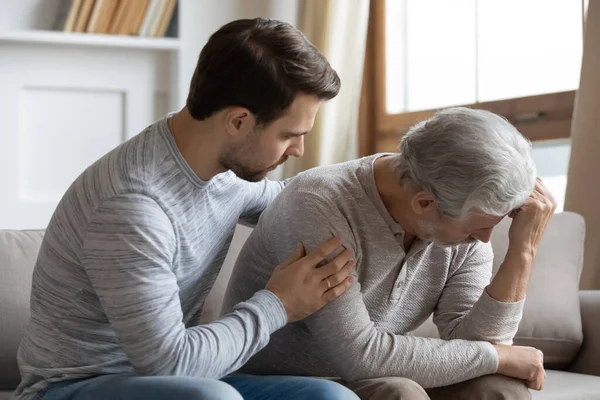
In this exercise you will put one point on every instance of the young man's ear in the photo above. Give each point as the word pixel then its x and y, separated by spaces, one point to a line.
pixel 239 122
pixel 422 203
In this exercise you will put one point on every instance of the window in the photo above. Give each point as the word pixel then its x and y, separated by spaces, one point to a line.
pixel 442 53
pixel 517 58
pixel 552 162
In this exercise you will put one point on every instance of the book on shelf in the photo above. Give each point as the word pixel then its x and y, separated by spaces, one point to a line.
pixel 152 11
pixel 67 15
pixel 158 16
pixel 84 15
pixel 102 14
pixel 134 18
pixel 108 13
pixel 120 16
pixel 168 15
pixel 151 18
pixel 173 26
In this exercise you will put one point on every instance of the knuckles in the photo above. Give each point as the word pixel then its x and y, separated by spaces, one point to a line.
pixel 322 253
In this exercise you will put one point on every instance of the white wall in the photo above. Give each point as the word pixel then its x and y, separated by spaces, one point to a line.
pixel 16 14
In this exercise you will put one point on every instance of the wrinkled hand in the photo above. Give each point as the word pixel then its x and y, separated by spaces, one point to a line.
pixel 521 362
pixel 530 220
pixel 303 288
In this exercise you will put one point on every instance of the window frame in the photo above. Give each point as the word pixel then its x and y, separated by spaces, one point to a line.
pixel 539 118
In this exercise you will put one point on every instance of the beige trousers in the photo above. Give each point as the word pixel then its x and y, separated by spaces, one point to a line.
pixel 489 387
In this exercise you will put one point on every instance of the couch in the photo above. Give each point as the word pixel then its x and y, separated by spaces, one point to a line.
pixel 559 319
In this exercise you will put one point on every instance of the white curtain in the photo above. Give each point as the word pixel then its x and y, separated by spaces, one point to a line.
pixel 338 28
pixel 583 184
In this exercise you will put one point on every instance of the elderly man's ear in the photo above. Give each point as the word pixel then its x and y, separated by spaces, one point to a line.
pixel 422 203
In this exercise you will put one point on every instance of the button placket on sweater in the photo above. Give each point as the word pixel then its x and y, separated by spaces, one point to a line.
pixel 401 279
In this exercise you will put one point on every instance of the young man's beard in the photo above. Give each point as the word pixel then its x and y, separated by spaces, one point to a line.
pixel 245 170
pixel 241 170
pixel 242 159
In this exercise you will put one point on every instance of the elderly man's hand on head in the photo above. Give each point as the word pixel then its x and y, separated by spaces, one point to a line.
pixel 526 231
pixel 530 220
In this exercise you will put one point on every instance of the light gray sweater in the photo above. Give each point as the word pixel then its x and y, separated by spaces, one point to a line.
pixel 128 258
pixel 365 333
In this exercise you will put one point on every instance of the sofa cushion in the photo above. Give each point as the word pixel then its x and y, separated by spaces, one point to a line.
pixel 18 252
pixel 5 395
pixel 560 385
pixel 551 318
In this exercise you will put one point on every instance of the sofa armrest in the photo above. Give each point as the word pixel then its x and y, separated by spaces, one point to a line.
pixel 588 359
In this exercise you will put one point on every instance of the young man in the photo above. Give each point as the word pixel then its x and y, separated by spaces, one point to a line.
pixel 138 240
pixel 419 223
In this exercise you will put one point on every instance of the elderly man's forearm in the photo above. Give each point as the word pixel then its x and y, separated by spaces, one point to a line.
pixel 510 283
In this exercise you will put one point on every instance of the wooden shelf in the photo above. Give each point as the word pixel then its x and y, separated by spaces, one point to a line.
pixel 89 39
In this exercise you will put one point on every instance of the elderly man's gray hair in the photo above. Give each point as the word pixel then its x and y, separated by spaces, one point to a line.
pixel 468 161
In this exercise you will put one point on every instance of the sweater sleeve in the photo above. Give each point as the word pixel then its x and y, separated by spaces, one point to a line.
pixel 354 346
pixel 466 311
pixel 128 256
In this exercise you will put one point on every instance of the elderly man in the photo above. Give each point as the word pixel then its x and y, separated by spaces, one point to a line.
pixel 419 223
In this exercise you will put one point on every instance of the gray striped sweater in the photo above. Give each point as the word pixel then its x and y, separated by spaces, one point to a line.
pixel 128 258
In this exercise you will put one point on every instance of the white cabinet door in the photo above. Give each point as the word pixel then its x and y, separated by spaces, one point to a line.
pixel 61 109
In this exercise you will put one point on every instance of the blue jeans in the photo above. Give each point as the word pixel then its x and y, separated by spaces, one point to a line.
pixel 232 387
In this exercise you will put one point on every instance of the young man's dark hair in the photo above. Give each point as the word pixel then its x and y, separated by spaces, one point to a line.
pixel 260 64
